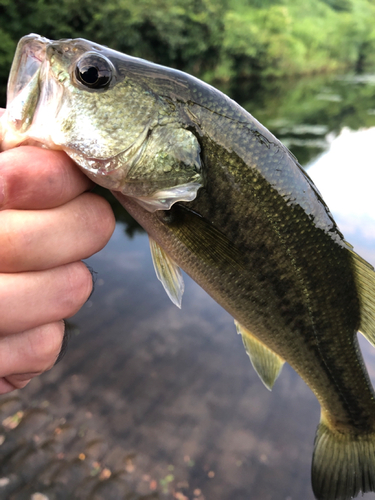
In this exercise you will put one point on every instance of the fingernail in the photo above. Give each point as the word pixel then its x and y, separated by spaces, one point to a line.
pixel 94 276
pixel 64 343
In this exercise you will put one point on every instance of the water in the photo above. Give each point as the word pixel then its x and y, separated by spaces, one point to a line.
pixel 155 402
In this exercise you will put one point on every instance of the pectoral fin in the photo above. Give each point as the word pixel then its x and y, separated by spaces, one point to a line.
pixel 266 363
pixel 168 272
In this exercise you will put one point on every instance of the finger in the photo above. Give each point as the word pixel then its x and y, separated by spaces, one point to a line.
pixel 68 233
pixel 2 125
pixel 28 354
pixel 30 299
pixel 37 178
pixel 67 335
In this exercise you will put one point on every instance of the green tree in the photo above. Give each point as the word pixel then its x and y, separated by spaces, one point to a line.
pixel 219 40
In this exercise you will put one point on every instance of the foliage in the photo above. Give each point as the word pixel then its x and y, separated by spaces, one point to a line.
pixel 218 40
pixel 306 112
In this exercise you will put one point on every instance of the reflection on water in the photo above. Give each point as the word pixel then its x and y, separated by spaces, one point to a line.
pixel 306 114
pixel 346 179
pixel 156 402
pixel 175 388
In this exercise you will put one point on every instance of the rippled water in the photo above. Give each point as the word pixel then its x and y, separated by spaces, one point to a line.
pixel 155 402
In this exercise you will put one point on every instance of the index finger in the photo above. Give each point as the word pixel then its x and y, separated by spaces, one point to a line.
pixel 37 178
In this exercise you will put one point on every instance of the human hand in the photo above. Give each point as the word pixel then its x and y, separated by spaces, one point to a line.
pixel 48 223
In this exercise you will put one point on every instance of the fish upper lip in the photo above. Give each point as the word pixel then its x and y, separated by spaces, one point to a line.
pixel 34 56
pixel 30 56
pixel 25 90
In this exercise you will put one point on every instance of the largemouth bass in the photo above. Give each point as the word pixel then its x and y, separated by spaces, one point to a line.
pixel 223 199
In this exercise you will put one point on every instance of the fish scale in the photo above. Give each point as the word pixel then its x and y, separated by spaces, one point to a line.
pixel 224 200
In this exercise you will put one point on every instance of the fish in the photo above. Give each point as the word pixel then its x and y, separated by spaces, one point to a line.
pixel 227 202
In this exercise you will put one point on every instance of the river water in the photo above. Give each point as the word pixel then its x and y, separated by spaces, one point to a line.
pixel 155 402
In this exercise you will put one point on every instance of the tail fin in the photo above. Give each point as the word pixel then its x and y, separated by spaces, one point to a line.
pixel 343 464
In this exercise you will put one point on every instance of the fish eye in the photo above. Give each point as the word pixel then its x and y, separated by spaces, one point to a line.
pixel 94 71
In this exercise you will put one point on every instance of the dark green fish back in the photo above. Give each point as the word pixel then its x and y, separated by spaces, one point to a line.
pixel 299 295
pixel 260 239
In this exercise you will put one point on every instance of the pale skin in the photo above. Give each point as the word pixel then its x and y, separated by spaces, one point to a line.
pixel 49 222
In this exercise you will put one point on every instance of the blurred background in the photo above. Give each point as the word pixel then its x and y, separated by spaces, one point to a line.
pixel 151 402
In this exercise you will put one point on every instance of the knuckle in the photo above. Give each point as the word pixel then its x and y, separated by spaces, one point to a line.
pixel 12 241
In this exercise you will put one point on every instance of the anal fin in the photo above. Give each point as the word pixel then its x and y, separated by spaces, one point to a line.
pixel 168 272
pixel 266 363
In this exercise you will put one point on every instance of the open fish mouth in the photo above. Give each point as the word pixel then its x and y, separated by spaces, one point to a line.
pixel 30 54
pixel 29 90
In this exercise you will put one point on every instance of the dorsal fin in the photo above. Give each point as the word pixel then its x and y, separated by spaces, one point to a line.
pixel 266 363
pixel 365 280
pixel 168 272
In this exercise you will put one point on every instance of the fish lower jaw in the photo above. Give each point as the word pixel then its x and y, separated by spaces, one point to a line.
pixel 5 145
pixel 12 140
pixel 11 136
